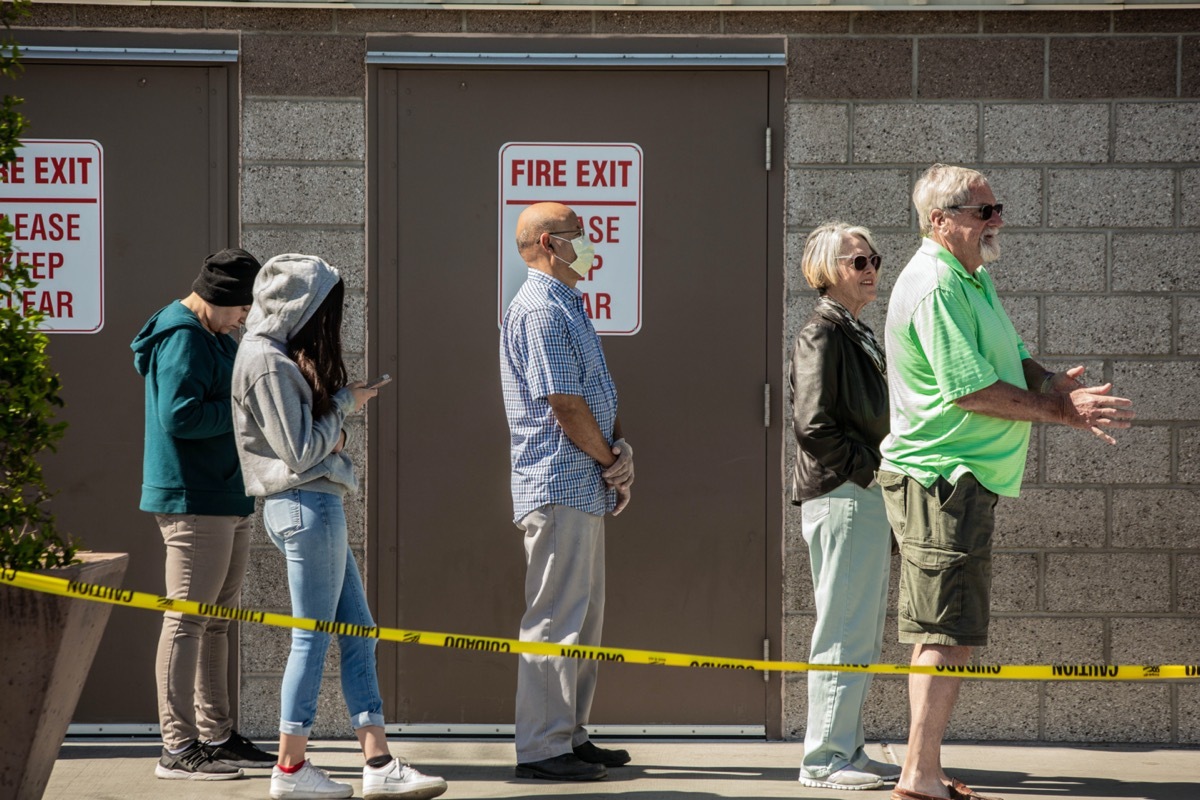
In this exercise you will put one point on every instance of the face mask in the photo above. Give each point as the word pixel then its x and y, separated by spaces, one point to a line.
pixel 584 253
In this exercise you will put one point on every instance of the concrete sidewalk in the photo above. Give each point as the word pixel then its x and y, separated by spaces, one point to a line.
pixel 670 770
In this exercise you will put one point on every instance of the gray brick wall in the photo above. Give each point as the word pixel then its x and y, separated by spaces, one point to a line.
pixel 1086 124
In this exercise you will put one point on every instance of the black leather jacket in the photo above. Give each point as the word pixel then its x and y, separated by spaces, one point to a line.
pixel 839 409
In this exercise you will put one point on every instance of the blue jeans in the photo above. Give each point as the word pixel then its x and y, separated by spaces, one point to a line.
pixel 309 528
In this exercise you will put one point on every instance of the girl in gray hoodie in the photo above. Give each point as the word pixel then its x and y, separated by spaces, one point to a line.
pixel 290 400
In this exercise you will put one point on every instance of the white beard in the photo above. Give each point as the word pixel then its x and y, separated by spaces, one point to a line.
pixel 989 250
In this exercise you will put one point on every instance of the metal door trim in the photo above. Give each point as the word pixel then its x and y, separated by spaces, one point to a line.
pixel 191 55
pixel 618 731
pixel 577 59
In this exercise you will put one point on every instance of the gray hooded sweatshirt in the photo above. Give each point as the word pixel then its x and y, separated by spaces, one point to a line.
pixel 280 444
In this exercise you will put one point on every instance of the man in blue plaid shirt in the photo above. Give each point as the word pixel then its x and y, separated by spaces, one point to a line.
pixel 570 468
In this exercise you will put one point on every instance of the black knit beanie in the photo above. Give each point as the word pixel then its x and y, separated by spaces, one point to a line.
pixel 227 278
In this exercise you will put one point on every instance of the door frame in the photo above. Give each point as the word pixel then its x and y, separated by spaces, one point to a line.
pixel 392 53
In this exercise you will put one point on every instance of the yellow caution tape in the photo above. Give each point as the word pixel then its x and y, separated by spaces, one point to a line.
pixel 128 597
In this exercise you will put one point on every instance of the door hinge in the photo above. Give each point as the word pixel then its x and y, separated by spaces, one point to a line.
pixel 766 405
pixel 768 159
pixel 766 657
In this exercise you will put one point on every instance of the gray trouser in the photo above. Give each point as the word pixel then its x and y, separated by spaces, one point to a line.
pixel 206 561
pixel 564 603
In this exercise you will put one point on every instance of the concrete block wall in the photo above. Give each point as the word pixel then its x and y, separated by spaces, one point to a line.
pixel 303 189
pixel 1086 124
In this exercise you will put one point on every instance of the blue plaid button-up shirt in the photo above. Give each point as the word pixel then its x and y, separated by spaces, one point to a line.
pixel 548 346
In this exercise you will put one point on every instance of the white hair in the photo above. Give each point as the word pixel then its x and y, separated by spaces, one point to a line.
pixel 943 186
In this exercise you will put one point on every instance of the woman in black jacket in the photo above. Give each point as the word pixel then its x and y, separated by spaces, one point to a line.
pixel 840 416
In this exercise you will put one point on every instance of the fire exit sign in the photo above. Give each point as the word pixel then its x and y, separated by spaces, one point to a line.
pixel 53 194
pixel 602 183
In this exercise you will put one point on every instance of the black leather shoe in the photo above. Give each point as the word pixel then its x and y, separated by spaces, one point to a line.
pixel 567 767
pixel 598 755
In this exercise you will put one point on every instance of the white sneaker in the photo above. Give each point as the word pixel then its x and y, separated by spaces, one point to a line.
pixel 398 779
pixel 307 783
pixel 845 778
pixel 887 772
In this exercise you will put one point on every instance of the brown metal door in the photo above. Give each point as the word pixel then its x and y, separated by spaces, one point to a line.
pixel 688 561
pixel 165 133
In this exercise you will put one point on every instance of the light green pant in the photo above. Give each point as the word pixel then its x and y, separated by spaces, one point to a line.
pixel 849 549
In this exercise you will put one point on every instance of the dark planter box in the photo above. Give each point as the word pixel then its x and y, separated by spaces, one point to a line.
pixel 47 644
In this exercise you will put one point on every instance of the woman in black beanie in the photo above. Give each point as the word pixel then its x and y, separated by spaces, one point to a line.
pixel 192 483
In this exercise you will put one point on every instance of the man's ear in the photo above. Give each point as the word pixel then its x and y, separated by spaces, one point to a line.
pixel 935 217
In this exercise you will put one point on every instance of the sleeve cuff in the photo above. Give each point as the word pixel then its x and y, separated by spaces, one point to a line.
pixel 344 400
pixel 958 392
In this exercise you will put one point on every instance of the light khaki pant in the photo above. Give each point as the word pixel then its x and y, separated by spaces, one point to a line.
pixel 564 603
pixel 206 561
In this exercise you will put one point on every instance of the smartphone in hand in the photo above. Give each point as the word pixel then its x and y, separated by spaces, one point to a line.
pixel 380 381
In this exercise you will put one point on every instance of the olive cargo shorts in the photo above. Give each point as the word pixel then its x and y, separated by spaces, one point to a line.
pixel 945 535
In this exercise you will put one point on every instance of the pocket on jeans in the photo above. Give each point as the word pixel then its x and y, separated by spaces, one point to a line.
pixel 812 513
pixel 814 510
pixel 282 514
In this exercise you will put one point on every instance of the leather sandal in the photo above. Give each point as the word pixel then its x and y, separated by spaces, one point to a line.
pixel 960 791
pixel 908 794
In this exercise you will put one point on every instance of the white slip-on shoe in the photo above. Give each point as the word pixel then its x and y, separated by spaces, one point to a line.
pixel 845 778
pixel 307 783
pixel 399 779
pixel 888 772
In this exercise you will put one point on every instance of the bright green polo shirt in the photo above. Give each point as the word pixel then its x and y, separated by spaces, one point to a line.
pixel 948 336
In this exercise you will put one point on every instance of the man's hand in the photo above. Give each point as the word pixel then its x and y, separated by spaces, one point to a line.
pixel 624 492
pixel 621 471
pixel 1091 408
pixel 1066 382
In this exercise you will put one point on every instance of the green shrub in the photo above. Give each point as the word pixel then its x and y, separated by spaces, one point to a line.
pixel 29 388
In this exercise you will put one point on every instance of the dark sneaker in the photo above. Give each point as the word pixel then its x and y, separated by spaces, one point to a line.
pixel 567 767
pixel 238 751
pixel 193 764
pixel 598 755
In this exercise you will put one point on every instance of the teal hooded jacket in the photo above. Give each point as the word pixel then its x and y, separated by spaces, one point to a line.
pixel 190 462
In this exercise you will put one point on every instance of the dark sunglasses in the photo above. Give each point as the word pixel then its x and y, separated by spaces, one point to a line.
pixel 985 212
pixel 860 262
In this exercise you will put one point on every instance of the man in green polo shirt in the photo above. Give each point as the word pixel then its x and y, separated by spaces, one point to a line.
pixel 964 391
